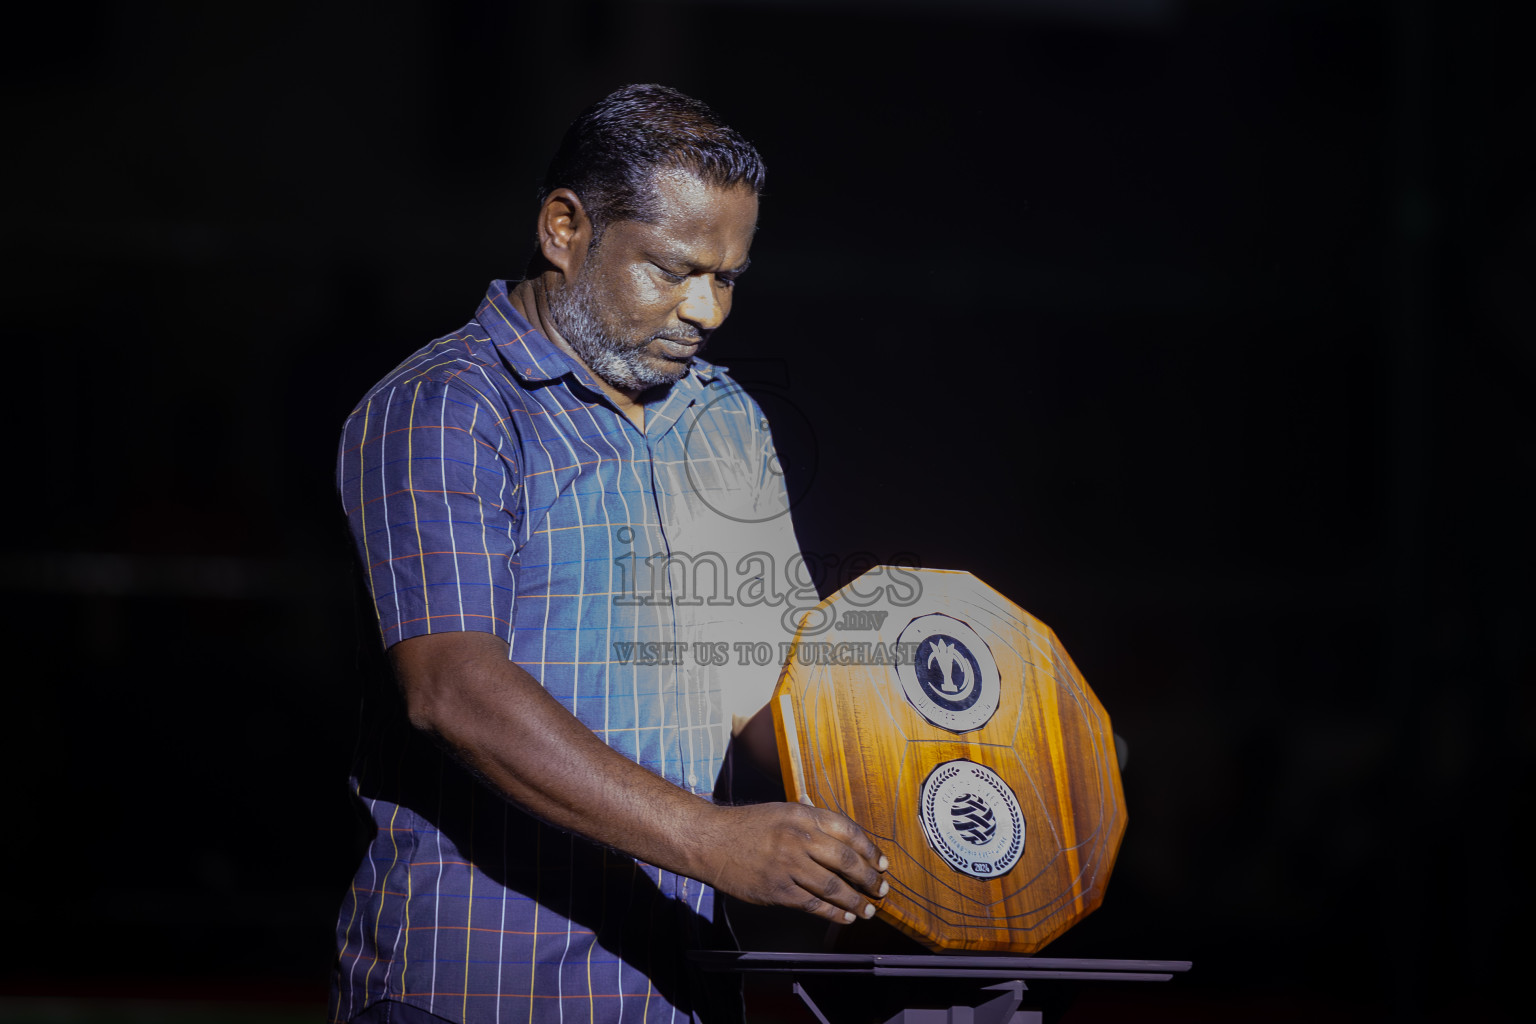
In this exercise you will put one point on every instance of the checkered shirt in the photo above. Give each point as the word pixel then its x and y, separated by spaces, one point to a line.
pixel 490 486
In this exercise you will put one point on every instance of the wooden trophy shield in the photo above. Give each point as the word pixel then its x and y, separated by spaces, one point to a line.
pixel 953 727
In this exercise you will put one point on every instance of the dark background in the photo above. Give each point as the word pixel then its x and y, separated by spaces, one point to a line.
pixel 1200 329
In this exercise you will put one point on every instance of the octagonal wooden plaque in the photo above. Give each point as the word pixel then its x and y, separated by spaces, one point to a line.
pixel 953 727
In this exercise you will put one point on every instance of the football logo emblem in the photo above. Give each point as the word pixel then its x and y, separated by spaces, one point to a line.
pixel 952 681
pixel 972 819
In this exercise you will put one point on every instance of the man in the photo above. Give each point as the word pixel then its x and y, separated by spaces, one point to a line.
pixel 545 844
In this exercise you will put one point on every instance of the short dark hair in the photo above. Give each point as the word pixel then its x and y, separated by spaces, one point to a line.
pixel 615 147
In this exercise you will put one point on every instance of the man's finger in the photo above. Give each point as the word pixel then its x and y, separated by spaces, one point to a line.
pixel 846 831
pixel 828 912
pixel 846 864
pixel 844 904
pixel 843 860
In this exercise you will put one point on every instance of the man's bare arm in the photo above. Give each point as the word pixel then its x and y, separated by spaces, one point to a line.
pixel 501 723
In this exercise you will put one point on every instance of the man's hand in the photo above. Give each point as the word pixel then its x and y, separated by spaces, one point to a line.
pixel 797 856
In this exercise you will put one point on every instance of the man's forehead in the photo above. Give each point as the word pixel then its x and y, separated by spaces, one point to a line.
pixel 683 185
pixel 689 214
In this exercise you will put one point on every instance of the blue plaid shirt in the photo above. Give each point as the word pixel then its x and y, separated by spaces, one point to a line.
pixel 489 486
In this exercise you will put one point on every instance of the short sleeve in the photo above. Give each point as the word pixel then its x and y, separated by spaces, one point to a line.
pixel 429 480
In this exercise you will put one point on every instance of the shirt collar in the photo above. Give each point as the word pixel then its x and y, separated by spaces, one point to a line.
pixel 534 358
pixel 524 349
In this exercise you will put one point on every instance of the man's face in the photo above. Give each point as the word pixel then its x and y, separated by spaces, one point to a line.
pixel 644 301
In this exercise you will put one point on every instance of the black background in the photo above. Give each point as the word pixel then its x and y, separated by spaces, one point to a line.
pixel 1202 330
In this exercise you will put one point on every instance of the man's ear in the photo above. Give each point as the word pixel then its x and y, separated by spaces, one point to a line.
pixel 564 230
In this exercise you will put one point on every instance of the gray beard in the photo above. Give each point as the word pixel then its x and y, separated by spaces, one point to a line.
pixel 618 361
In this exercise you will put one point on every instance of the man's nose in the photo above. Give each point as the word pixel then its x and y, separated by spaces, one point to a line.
pixel 701 303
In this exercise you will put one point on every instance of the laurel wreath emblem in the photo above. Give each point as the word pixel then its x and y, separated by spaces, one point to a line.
pixel 975 823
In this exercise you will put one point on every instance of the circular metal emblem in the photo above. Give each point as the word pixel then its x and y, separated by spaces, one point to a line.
pixel 952 680
pixel 972 819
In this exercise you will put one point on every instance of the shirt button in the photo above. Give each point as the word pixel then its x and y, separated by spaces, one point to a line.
pixel 693 780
